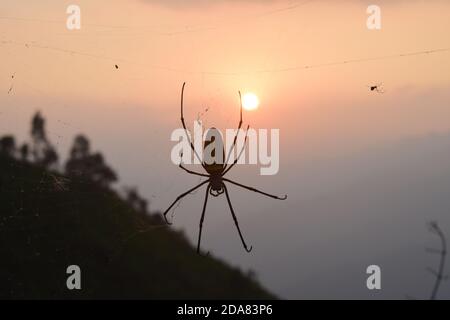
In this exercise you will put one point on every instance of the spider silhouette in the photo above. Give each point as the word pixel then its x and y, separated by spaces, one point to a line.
pixel 377 87
pixel 215 173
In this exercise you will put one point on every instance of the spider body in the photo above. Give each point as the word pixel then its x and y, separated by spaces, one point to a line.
pixel 377 88
pixel 216 167
pixel 213 152
pixel 214 162
pixel 216 185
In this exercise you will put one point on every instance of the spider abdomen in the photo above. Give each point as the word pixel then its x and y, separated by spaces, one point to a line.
pixel 214 152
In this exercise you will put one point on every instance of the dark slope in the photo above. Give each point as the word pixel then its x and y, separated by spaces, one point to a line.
pixel 47 224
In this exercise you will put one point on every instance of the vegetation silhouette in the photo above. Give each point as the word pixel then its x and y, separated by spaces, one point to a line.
pixel 42 150
pixel 438 273
pixel 89 165
pixel 442 252
pixel 7 145
pixel 50 220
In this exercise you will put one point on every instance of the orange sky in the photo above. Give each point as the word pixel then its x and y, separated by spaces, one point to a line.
pixel 230 37
pixel 322 113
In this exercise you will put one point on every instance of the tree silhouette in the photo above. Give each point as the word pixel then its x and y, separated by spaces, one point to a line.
pixel 8 146
pixel 81 147
pixel 89 165
pixel 24 152
pixel 135 200
pixel 43 152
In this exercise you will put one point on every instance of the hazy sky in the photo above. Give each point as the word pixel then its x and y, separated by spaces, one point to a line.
pixel 364 171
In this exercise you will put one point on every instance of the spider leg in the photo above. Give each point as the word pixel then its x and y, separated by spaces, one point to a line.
pixel 255 190
pixel 236 222
pixel 239 155
pixel 180 197
pixel 201 220
pixel 186 130
pixel 237 132
pixel 193 172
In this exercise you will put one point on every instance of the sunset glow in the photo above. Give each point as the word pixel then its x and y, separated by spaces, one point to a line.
pixel 138 136
pixel 250 101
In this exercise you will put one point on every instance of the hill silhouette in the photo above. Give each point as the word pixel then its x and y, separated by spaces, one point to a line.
pixel 121 252
pixel 49 221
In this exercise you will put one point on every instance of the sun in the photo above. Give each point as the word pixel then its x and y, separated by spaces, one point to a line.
pixel 250 101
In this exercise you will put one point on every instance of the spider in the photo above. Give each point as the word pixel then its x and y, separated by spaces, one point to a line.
pixel 377 87
pixel 215 173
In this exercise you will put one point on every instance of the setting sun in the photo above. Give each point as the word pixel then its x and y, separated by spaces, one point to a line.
pixel 250 101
